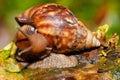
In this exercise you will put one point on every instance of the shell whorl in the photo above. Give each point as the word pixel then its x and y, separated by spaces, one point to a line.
pixel 60 28
pixel 50 9
pixel 91 41
pixel 85 38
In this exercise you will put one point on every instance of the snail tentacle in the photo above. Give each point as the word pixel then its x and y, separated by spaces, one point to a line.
pixel 25 50
pixel 26 35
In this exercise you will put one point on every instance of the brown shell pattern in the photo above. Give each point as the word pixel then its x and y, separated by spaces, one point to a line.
pixel 59 26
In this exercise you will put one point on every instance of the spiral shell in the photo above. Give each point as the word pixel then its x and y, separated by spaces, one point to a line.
pixel 58 25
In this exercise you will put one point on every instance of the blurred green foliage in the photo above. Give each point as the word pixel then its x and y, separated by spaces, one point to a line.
pixel 92 13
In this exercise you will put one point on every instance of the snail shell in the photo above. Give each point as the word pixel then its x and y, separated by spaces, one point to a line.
pixel 59 28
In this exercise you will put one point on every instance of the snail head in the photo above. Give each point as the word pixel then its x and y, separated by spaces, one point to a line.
pixel 37 42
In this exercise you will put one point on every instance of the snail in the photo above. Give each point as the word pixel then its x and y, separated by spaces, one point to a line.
pixel 54 28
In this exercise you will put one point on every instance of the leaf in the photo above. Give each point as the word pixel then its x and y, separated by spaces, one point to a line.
pixel 12 66
pixel 4 54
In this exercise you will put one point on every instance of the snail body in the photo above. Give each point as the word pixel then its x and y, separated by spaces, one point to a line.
pixel 56 27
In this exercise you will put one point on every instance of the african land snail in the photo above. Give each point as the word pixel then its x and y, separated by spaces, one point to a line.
pixel 52 26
